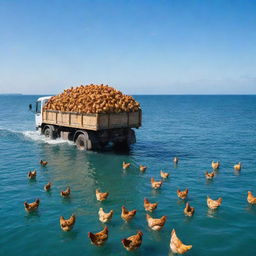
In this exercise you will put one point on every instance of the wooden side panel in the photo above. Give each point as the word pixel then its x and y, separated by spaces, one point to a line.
pixel 134 119
pixel 76 120
pixel 103 121
pixel 118 120
pixel 59 118
pixel 51 117
pixel 65 118
pixel 92 121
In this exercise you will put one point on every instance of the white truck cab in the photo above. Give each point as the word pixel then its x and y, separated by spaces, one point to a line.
pixel 39 109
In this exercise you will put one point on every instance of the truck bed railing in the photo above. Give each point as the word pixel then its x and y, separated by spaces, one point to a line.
pixel 93 122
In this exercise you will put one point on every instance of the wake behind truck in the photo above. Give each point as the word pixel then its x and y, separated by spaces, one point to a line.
pixel 89 131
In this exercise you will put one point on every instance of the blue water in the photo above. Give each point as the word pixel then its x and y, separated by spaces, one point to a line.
pixel 197 129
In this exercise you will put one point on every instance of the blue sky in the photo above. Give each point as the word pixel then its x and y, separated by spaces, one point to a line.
pixel 139 47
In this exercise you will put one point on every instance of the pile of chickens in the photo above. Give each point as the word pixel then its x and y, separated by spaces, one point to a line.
pixel 93 98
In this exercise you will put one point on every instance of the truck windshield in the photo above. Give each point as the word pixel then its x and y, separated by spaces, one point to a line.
pixel 38 107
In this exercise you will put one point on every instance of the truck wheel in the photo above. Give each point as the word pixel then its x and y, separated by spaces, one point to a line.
pixel 49 132
pixel 83 142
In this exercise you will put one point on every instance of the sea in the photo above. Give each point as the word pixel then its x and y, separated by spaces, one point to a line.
pixel 195 128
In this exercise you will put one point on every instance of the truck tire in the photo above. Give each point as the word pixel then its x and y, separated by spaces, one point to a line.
pixel 49 132
pixel 83 142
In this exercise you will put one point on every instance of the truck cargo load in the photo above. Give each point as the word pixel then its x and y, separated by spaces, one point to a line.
pixel 92 116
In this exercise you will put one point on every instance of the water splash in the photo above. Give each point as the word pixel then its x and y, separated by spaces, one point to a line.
pixel 32 136
pixel 36 136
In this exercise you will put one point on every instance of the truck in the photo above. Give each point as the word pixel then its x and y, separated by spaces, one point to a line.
pixel 87 131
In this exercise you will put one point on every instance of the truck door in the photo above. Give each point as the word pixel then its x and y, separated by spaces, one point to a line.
pixel 38 115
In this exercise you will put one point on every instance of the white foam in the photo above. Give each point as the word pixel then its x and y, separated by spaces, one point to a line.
pixel 36 136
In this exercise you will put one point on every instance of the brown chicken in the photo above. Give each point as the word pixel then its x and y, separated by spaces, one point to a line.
pixel 150 207
pixel 127 215
pixel 250 198
pixel 32 175
pixel 177 246
pixel 101 196
pixel 126 165
pixel 68 224
pixel 156 224
pixel 215 165
pixel 32 206
pixel 209 175
pixel 99 238
pixel 48 186
pixel 105 216
pixel 213 204
pixel 156 184
pixel 237 167
pixel 66 192
pixel 133 242
pixel 175 160
pixel 182 194
pixel 164 175
pixel 189 210
pixel 143 168
pixel 43 163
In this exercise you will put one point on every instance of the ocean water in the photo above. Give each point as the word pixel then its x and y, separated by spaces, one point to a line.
pixel 197 129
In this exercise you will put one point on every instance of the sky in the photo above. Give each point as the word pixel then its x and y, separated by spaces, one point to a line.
pixel 138 47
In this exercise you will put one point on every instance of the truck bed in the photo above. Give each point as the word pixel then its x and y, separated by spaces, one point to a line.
pixel 94 122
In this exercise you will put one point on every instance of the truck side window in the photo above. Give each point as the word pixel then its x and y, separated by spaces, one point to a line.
pixel 38 107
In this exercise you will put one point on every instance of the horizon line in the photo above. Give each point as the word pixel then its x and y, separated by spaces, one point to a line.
pixel 139 94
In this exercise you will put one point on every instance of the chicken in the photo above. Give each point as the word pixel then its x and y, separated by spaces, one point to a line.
pixel 68 224
pixel 215 165
pixel 101 196
pixel 127 215
pixel 189 211
pixel 164 175
pixel 32 206
pixel 143 168
pixel 156 184
pixel 32 175
pixel 47 187
pixel 182 194
pixel 66 192
pixel 99 238
pixel 213 204
pixel 209 175
pixel 150 207
pixel 133 242
pixel 126 165
pixel 105 216
pixel 175 160
pixel 237 167
pixel 156 224
pixel 250 198
pixel 177 246
pixel 43 163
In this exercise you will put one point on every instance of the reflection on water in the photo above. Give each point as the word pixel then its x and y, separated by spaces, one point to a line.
pixel 251 209
pixel 182 201
pixel 33 214
pixel 70 235
pixel 237 173
pixel 212 213
pixel 208 181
